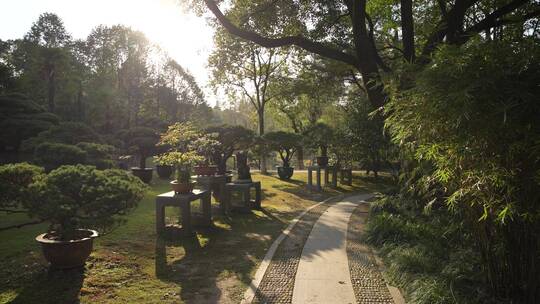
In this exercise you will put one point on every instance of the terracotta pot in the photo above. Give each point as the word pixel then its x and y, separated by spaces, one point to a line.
pixel 164 172
pixel 145 174
pixel 285 173
pixel 322 161
pixel 205 170
pixel 69 253
pixel 182 188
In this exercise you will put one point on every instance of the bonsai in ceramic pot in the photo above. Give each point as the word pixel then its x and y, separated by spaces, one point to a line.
pixel 286 144
pixel 206 146
pixel 182 161
pixel 181 154
pixel 231 139
pixel 75 200
pixel 319 136
pixel 142 141
pixel 163 169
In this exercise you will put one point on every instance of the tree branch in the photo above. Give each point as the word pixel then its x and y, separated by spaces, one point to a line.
pixel 492 20
pixel 298 40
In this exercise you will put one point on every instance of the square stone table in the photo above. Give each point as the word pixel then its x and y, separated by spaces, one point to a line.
pixel 215 184
pixel 245 190
pixel 183 201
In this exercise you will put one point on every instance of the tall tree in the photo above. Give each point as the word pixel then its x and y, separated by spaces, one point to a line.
pixel 245 69
pixel 47 51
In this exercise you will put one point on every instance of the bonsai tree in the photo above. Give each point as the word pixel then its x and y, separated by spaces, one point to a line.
pixel 231 139
pixel 182 154
pixel 142 141
pixel 286 144
pixel 73 197
pixel 320 136
pixel 206 145
pixel 69 198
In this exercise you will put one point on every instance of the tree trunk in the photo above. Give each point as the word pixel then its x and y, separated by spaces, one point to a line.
pixel 80 110
pixel 51 91
pixel 300 158
pixel 407 28
pixel 262 166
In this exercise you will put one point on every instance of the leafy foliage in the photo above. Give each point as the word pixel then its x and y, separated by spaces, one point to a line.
pixel 471 123
pixel 182 153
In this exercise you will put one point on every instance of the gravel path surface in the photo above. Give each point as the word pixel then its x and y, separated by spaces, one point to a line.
pixel 368 283
pixel 278 281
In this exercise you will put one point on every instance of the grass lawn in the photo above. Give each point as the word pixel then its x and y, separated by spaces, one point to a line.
pixel 131 265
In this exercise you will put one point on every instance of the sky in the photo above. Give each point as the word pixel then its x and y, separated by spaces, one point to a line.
pixel 186 37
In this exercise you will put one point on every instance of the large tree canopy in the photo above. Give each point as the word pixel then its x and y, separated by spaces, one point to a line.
pixel 369 35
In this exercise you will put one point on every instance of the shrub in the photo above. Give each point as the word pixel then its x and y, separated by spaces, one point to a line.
pixel 66 133
pixel 54 155
pixel 73 197
pixel 98 155
pixel 20 119
pixel 14 180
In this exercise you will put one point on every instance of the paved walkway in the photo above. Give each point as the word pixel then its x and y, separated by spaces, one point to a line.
pixel 322 260
pixel 323 271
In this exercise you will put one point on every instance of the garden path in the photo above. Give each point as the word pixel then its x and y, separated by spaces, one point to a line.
pixel 321 259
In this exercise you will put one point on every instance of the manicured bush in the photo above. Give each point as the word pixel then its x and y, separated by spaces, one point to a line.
pixel 14 181
pixel 98 155
pixel 66 133
pixel 73 197
pixel 20 119
pixel 53 155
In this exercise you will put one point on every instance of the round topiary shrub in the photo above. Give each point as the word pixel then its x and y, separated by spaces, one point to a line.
pixel 14 181
pixel 73 197
pixel 98 155
pixel 54 155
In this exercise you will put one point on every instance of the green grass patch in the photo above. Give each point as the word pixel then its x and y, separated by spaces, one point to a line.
pixel 131 264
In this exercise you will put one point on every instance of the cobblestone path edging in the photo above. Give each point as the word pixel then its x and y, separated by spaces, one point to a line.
pixel 278 282
pixel 368 283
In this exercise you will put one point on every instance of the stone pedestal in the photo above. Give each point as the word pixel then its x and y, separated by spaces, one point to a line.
pixel 183 201
pixel 327 171
pixel 215 184
pixel 346 176
pixel 245 190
